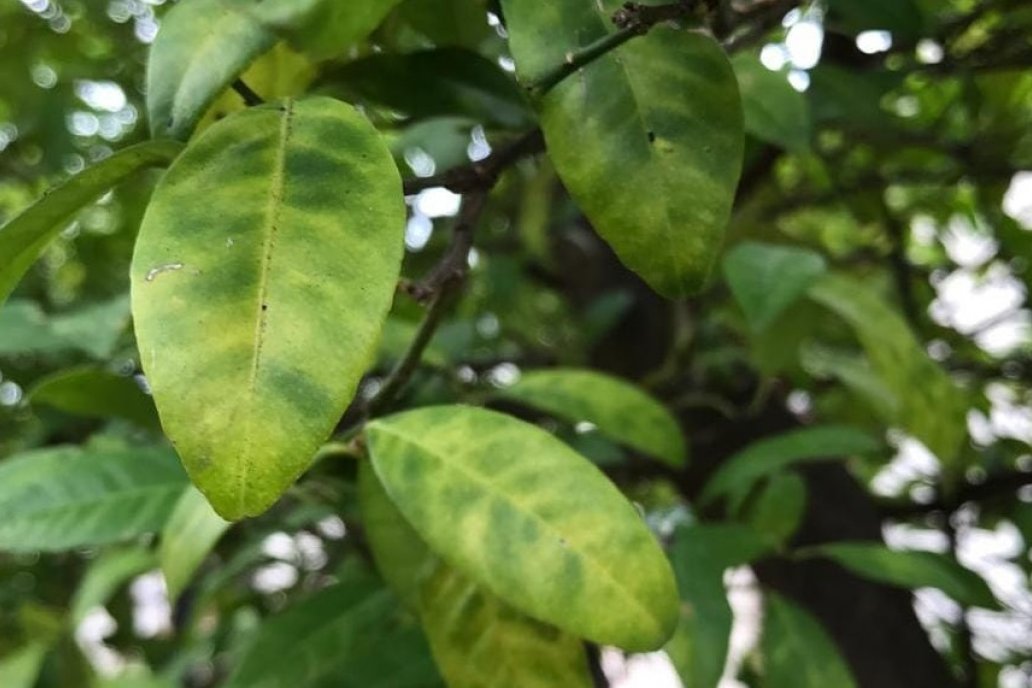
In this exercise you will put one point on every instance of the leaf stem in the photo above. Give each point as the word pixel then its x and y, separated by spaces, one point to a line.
pixel 247 93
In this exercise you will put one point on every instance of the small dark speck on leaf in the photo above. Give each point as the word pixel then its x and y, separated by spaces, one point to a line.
pixel 265 306
pixel 652 137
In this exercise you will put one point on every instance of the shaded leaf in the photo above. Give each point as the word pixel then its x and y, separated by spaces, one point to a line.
pixel 448 22
pixel 909 569
pixel 105 575
pixel 619 409
pixel 23 239
pixel 797 651
pixel 92 496
pixel 334 26
pixel 203 45
pixel 901 17
pixel 189 535
pixel 520 513
pixel 931 407
pixel 778 509
pixel 661 114
pixel 253 323
pixel 830 442
pixel 476 638
pixel 774 111
pixel 766 279
pixel 96 393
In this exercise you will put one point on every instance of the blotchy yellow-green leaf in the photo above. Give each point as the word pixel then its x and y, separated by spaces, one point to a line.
pixel 23 239
pixel 263 273
pixel 477 640
pixel 520 513
pixel 648 139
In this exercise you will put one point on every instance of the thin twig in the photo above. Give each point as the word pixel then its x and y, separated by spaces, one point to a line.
pixel 477 176
pixel 247 93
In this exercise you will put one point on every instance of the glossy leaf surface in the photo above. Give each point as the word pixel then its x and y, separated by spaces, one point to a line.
pixel 619 409
pixel 661 114
pixel 520 513
pixel 797 651
pixel 477 639
pixel 203 45
pixel 910 569
pixel 23 239
pixel 93 496
pixel 766 279
pixel 770 455
pixel 258 310
pixel 188 537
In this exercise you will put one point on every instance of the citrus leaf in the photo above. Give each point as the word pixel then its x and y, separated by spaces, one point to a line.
pixel 23 239
pixel 476 638
pixel 189 535
pixel 661 114
pixel 319 637
pixel 700 555
pixel 796 650
pixel 779 507
pixel 910 570
pixel 522 514
pixel 766 279
pixel 105 575
pixel 203 45
pixel 96 393
pixel 830 442
pixel 334 26
pixel 20 669
pixel 258 310
pixel 620 410
pixel 774 111
pixel 931 407
pixel 92 496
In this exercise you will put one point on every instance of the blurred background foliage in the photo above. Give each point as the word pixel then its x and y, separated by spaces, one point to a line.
pixel 890 143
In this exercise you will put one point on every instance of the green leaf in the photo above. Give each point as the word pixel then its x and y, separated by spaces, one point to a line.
pixel 767 456
pixel 931 407
pixel 774 111
pixel 95 328
pixel 436 83
pixel 27 330
pixel 23 239
pixel 476 638
pixel 902 17
pixel 909 569
pixel 779 507
pixel 648 139
pixel 766 279
pixel 189 535
pixel 203 45
pixel 620 410
pixel 92 496
pixel 105 576
pixel 855 373
pixel 258 310
pixel 318 638
pixel 334 26
pixel 96 393
pixel 20 669
pixel 520 513
pixel 700 556
pixel 797 652
pixel 448 22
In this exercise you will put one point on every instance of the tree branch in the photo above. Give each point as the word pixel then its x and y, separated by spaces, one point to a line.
pixel 478 176
pixel 999 485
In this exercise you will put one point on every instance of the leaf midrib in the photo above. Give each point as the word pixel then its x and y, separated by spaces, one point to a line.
pixel 490 489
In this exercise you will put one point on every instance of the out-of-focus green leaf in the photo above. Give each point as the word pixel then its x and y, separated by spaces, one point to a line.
pixel 661 114
pixel 909 569
pixel 770 455
pixel 797 652
pixel 620 410
pixel 27 330
pixel 779 507
pixel 774 111
pixel 903 18
pixel 476 638
pixel 522 514
pixel 105 575
pixel 95 328
pixel 700 555
pixel 932 408
pixel 202 46
pixel 92 496
pixel 189 535
pixel 855 373
pixel 320 637
pixel 461 23
pixel 334 26
pixel 96 393
pixel 436 83
pixel 766 279
pixel 20 669
pixel 24 238
pixel 252 359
